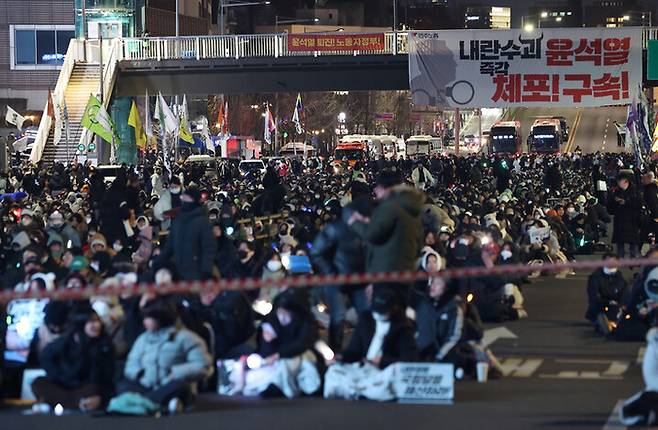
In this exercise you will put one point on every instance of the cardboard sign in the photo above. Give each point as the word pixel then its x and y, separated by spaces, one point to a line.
pixel 537 235
pixel 425 383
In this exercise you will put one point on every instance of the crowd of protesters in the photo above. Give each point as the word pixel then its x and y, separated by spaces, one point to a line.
pixel 66 227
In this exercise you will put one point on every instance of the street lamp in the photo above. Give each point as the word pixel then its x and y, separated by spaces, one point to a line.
pixel 224 4
pixel 278 21
pixel 544 15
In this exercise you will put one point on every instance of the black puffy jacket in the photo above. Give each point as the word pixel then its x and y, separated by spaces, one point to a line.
pixel 74 360
pixel 338 250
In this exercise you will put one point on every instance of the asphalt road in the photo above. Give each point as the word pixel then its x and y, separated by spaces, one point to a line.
pixel 560 374
pixel 592 129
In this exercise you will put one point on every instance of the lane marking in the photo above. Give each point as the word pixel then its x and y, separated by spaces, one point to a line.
pixel 613 422
pixel 574 130
pixel 615 370
pixel 640 354
pixel 492 335
pixel 519 367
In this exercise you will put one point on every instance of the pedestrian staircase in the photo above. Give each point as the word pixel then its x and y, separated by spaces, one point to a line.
pixel 84 80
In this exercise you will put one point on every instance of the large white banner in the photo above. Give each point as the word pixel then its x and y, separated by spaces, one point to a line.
pixel 561 67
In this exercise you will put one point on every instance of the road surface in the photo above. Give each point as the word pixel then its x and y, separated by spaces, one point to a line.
pixel 592 129
pixel 560 375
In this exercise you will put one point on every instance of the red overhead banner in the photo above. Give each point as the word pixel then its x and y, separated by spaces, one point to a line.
pixel 335 42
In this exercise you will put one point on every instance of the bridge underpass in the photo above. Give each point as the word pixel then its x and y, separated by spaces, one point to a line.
pixel 263 75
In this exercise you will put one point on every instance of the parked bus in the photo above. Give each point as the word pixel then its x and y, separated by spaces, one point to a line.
pixel 505 138
pixel 423 146
pixel 545 136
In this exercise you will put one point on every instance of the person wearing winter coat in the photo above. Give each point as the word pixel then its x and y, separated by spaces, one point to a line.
pixel 286 361
pixel 650 193
pixel 394 232
pixel 166 359
pixel 58 226
pixel 79 366
pixel 337 250
pixel 191 245
pixel 607 291
pixel 642 408
pixel 449 331
pixel 624 203
pixel 232 320
pixel 383 337
pixel 422 178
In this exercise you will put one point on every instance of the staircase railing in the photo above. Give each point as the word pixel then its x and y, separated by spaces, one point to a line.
pixel 110 63
pixel 73 53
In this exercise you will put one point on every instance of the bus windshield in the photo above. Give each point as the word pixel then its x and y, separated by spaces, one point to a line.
pixel 545 138
pixel 503 139
pixel 418 147
pixel 349 154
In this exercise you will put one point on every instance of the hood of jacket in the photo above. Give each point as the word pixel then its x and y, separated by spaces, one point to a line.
pixel 409 198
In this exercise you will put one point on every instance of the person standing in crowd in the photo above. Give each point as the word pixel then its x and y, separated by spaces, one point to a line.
pixel 337 250
pixel 625 205
pixel 166 359
pixel 79 366
pixel 190 245
pixel 394 232
pixel 650 193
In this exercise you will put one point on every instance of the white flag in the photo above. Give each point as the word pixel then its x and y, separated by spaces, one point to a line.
pixel 60 104
pixel 21 144
pixel 14 117
pixel 167 118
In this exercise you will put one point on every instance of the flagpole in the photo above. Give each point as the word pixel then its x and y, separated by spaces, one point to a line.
pixel 177 112
pixel 66 125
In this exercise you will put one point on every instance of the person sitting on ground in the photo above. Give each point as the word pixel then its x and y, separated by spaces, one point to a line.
pixel 607 291
pixel 79 366
pixel 450 332
pixel 286 340
pixel 382 337
pixel 166 360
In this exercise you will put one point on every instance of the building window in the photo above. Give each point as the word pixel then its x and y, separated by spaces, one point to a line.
pixel 39 46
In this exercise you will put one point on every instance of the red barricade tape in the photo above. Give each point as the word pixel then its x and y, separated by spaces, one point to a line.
pixel 117 288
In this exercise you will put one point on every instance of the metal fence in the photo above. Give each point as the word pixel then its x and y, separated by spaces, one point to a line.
pixel 238 46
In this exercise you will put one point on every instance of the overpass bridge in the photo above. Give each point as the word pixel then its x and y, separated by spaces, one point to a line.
pixel 213 64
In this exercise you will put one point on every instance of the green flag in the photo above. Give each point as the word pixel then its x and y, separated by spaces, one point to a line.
pixel 97 120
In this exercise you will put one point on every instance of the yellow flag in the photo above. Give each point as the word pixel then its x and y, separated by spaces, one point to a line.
pixel 136 123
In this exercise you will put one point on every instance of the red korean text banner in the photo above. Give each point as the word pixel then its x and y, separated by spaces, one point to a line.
pixel 556 67
pixel 335 42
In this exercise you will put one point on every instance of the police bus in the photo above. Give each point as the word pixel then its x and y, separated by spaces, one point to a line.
pixel 505 138
pixel 545 136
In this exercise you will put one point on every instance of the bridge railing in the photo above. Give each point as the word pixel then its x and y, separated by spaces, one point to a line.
pixel 257 45
pixel 237 46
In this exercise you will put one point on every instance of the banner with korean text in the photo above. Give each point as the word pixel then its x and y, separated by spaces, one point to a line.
pixel 560 67
pixel 335 42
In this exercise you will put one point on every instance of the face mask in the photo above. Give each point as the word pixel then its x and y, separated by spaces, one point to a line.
pixel 242 255
pixel 249 231
pixel 56 223
pixel 117 247
pixel 274 265
pixel 379 317
pixel 284 318
pixel 174 190
pixel 88 220
pixel 506 254
pixel 609 270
